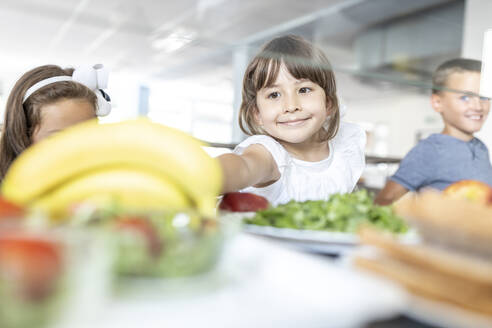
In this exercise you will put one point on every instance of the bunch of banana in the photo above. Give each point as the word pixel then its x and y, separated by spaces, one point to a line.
pixel 141 164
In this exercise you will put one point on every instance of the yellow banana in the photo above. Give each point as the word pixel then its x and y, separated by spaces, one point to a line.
pixel 139 143
pixel 133 190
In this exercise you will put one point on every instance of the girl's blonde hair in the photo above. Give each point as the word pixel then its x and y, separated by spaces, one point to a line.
pixel 22 118
pixel 303 61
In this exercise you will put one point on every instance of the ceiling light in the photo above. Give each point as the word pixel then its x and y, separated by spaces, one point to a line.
pixel 173 41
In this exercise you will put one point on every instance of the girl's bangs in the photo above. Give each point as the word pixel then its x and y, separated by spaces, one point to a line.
pixel 306 68
pixel 266 71
pixel 299 67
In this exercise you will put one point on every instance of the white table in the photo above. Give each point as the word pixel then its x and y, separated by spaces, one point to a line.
pixel 257 284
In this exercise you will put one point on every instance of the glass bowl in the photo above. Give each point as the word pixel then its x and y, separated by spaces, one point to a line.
pixel 168 244
pixel 47 276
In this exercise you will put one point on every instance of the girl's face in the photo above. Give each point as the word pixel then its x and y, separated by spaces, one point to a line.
pixel 292 110
pixel 62 114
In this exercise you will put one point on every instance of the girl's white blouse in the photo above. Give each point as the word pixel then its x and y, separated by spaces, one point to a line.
pixel 302 180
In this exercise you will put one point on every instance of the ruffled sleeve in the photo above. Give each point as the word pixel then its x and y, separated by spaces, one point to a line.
pixel 279 154
pixel 274 191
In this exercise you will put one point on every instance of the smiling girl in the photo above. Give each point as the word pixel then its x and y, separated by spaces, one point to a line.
pixel 297 149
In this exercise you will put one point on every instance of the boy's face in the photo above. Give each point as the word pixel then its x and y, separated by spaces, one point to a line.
pixel 463 112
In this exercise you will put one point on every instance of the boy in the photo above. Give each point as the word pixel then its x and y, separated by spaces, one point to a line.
pixel 454 154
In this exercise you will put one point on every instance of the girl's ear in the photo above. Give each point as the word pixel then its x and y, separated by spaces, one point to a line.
pixel 436 102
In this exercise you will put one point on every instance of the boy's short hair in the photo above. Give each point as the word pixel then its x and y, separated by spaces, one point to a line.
pixel 457 65
pixel 303 60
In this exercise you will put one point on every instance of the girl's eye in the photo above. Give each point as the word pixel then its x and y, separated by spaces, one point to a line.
pixel 465 98
pixel 274 95
pixel 304 90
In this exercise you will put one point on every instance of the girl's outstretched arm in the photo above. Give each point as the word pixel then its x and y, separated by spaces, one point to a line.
pixel 255 166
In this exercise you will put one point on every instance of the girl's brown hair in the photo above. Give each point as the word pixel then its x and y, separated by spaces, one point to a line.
pixel 22 118
pixel 303 61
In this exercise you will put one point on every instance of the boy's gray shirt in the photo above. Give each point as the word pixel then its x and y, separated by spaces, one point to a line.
pixel 441 160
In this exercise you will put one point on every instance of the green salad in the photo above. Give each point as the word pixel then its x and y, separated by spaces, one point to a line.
pixel 155 246
pixel 341 212
pixel 158 243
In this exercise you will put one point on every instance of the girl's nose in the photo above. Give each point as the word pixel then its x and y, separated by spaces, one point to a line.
pixel 291 104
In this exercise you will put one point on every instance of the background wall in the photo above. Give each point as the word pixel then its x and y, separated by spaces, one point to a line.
pixel 478 18
pixel 402 114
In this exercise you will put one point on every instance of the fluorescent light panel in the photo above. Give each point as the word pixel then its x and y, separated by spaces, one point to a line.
pixel 486 76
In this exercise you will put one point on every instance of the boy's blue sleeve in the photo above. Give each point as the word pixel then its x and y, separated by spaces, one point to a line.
pixel 417 167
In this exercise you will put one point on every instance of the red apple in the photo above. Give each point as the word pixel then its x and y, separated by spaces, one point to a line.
pixel 472 190
pixel 243 202
pixel 32 265
pixel 10 210
pixel 144 228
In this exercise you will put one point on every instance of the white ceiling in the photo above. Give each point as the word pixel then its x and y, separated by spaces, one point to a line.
pixel 121 33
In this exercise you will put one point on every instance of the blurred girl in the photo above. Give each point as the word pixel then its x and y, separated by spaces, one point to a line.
pixel 48 99
pixel 297 149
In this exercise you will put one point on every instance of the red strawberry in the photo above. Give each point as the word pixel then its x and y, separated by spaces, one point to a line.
pixel 144 228
pixel 32 265
pixel 243 202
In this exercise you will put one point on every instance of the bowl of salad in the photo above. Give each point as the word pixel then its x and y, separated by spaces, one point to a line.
pixel 167 244
pixel 33 279
pixel 51 275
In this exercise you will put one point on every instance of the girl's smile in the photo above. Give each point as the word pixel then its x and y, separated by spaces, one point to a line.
pixel 294 121
pixel 292 110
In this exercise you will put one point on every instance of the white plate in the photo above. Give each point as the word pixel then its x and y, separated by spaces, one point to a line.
pixel 326 242
pixel 340 238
